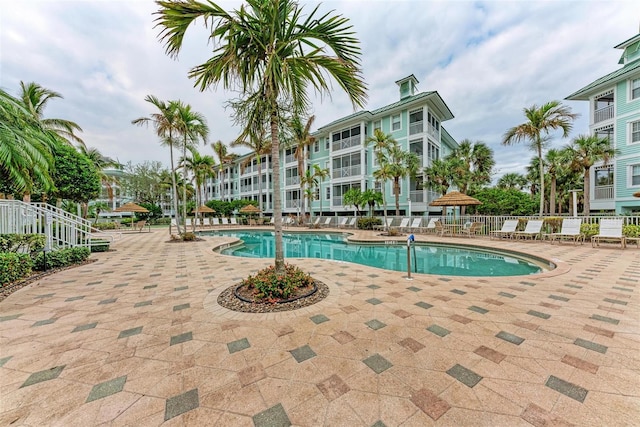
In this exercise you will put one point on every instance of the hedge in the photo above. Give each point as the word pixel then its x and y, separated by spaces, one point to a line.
pixel 61 258
pixel 13 267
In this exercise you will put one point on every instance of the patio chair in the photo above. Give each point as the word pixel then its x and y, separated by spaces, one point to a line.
pixel 187 222
pixel 473 229
pixel 327 222
pixel 570 230
pixel 233 222
pixel 531 231
pixel 352 222
pixel 431 227
pixel 215 222
pixel 610 231
pixel 314 224
pixel 206 223
pixel 343 222
pixel 507 230
pixel 440 228
pixel 415 225
pixel 404 224
pixel 224 221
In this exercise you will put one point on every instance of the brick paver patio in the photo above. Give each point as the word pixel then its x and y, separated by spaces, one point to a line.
pixel 137 338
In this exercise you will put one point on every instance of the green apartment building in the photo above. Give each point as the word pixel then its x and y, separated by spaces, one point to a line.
pixel 614 113
pixel 414 120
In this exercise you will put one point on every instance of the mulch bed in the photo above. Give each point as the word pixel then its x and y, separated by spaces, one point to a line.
pixel 229 300
pixel 34 277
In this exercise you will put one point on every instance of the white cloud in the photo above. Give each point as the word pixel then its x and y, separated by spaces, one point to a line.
pixel 487 60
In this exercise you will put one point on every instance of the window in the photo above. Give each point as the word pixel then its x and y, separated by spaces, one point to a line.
pixel 415 122
pixel 327 144
pixel 635 88
pixel 635 175
pixel 395 122
pixel 635 132
pixel 327 193
pixel 316 147
pixel 377 187
pixel 377 125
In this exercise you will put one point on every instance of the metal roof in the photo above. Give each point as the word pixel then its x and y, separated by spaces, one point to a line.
pixel 599 84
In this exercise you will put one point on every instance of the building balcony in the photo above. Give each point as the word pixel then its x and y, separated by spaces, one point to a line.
pixel 343 144
pixel 291 204
pixel 347 172
pixel 602 114
pixel 416 196
pixel 603 192
pixel 416 127
pixel 293 180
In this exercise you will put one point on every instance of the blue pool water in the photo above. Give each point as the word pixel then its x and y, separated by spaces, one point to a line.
pixel 425 258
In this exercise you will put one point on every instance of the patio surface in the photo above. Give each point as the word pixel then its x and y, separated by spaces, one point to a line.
pixel 137 338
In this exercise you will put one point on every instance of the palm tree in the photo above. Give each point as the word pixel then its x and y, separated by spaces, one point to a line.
pixel 167 126
pixel 540 121
pixel 259 146
pixel 402 164
pixel 382 143
pixel 270 54
pixel 35 98
pixel 584 151
pixel 371 198
pixel 302 140
pixel 201 167
pixel 477 163
pixel 440 175
pixel 25 149
pixel 192 127
pixel 353 197
pixel 101 162
pixel 309 180
pixel 225 159
pixel 321 174
pixel 554 160
pixel 512 180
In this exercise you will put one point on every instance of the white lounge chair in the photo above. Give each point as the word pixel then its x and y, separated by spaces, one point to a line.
pixel 531 231
pixel 315 223
pixel 224 221
pixel 383 226
pixel 206 222
pixel 570 231
pixel 352 222
pixel 507 230
pixel 233 221
pixel 327 222
pixel 188 223
pixel 610 231
pixel 215 222
pixel 415 225
pixel 343 222
pixel 403 224
pixel 431 227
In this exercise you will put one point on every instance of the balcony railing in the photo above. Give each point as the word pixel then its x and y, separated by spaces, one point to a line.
pixel 603 114
pixel 292 180
pixel 415 127
pixel 337 201
pixel 346 143
pixel 290 159
pixel 348 171
pixel 603 192
pixel 431 130
pixel 417 196
pixel 291 204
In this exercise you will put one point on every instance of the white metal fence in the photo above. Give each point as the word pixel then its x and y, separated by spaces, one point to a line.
pixel 62 228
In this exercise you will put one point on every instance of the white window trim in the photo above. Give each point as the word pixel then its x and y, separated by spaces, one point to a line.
pixel 630 132
pixel 316 147
pixel 399 115
pixel 630 97
pixel 630 176
pixel 377 122
pixel 327 144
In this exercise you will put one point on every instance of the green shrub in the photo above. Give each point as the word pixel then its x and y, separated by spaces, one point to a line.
pixel 162 221
pixel 13 267
pixel 126 221
pixel 368 223
pixel 61 257
pixel 553 223
pixel 631 230
pixel 106 225
pixel 24 243
pixel 589 230
pixel 99 247
pixel 270 285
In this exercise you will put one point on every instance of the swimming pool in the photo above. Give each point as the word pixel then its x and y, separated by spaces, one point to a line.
pixel 446 260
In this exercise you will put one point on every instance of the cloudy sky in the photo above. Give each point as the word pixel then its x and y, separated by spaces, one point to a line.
pixel 487 60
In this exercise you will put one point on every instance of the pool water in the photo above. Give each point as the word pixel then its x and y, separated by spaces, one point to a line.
pixel 446 260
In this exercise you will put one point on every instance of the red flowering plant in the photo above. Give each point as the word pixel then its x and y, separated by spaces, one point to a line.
pixel 273 286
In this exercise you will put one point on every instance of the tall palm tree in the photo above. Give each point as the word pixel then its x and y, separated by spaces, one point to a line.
pixel 26 157
pixel 321 174
pixel 35 98
pixel 167 127
pixel 259 146
pixel 224 160
pixel 401 164
pixel 554 160
pixel 101 162
pixel 201 167
pixel 301 140
pixel 192 127
pixel 310 181
pixel 584 151
pixel 540 121
pixel 271 54
pixel 441 174
pixel 382 143
pixel 477 163
pixel 371 198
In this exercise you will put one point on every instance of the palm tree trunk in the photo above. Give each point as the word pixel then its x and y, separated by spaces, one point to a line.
pixel 184 188
pixel 260 186
pixel 541 172
pixel 552 197
pixel 587 204
pixel 321 195
pixel 174 190
pixel 384 205
pixel 396 192
pixel 277 198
